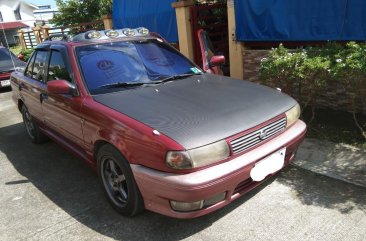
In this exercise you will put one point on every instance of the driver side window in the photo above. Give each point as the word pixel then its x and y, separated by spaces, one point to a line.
pixel 57 69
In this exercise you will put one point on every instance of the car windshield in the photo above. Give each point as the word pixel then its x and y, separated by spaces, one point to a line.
pixel 115 65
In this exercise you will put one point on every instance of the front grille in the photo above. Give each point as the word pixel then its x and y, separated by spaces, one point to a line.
pixel 257 136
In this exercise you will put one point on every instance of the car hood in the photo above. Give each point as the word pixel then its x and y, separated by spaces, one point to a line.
pixel 7 65
pixel 200 109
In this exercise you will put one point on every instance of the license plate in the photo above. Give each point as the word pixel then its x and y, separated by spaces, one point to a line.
pixel 5 82
pixel 268 165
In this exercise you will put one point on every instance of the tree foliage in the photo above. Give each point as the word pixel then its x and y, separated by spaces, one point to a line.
pixel 80 11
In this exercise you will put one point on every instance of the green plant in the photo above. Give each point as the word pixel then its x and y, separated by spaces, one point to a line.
pixel 26 54
pixel 16 49
pixel 305 73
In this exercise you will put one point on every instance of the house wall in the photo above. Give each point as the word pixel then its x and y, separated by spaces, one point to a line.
pixel 45 15
pixel 7 8
pixel 26 12
pixel 335 96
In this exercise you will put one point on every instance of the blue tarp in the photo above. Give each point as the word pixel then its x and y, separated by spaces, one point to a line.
pixel 156 15
pixel 300 20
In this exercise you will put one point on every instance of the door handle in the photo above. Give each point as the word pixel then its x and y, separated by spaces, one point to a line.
pixel 21 86
pixel 43 96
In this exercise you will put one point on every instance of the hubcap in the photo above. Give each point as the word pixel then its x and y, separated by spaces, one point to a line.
pixel 114 182
pixel 28 124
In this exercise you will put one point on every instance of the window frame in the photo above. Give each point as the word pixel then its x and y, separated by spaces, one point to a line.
pixel 30 62
pixel 17 14
pixel 63 51
pixel 44 66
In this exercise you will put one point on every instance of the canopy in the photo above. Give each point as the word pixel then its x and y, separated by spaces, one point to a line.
pixel 156 15
pixel 291 20
pixel 12 25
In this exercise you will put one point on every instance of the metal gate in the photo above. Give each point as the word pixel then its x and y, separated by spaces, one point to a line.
pixel 213 19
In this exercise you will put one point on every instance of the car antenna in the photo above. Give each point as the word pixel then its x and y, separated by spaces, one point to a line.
pixel 7 44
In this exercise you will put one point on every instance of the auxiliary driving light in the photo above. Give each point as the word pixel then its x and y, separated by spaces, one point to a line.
pixel 93 35
pixel 142 31
pixel 128 32
pixel 193 206
pixel 111 33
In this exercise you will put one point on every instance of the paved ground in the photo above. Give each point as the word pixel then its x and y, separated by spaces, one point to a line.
pixel 340 161
pixel 48 194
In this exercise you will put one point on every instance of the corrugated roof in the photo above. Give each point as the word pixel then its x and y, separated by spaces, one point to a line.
pixel 12 25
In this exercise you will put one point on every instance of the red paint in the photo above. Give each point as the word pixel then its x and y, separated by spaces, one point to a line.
pixel 158 188
pixel 217 60
pixel 4 76
pixel 12 25
pixel 58 87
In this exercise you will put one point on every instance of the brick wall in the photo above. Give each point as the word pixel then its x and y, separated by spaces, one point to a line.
pixel 335 96
pixel 252 60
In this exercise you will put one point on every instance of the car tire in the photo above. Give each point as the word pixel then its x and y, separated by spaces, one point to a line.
pixel 118 182
pixel 31 127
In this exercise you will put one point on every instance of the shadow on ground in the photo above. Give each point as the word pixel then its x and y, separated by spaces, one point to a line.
pixel 5 89
pixel 74 187
pixel 318 190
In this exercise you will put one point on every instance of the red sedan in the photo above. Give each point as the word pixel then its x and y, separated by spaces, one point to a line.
pixel 162 134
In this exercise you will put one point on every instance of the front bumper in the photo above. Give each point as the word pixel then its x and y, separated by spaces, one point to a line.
pixel 232 177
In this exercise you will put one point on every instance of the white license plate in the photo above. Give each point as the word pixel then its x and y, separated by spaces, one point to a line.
pixel 4 83
pixel 268 165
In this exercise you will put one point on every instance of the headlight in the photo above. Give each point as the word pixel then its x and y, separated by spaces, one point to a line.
pixel 293 115
pixel 198 157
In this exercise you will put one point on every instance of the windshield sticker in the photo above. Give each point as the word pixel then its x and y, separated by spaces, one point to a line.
pixel 105 64
pixel 195 70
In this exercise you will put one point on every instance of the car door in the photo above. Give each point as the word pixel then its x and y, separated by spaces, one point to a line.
pixel 207 52
pixel 33 86
pixel 62 111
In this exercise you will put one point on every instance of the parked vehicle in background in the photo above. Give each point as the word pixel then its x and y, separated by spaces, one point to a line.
pixel 8 63
pixel 161 133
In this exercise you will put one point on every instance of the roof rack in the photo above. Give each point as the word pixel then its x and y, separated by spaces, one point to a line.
pixel 93 35
pixel 58 37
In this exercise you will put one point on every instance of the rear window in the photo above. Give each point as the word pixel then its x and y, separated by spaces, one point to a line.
pixel 4 55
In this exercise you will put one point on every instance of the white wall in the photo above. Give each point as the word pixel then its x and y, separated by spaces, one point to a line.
pixel 44 15
pixel 26 12
pixel 7 8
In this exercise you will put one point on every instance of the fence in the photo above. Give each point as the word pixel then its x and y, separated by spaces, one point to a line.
pixel 30 39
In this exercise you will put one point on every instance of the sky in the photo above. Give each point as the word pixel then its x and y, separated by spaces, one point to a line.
pixel 43 2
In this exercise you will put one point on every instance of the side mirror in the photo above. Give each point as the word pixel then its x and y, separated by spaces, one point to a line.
pixel 217 60
pixel 60 87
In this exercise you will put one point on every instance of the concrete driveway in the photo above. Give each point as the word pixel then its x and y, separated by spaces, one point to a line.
pixel 49 194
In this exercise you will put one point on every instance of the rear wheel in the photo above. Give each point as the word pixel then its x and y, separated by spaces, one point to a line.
pixel 117 180
pixel 33 131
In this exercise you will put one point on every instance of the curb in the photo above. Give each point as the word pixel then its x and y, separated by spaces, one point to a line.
pixel 339 161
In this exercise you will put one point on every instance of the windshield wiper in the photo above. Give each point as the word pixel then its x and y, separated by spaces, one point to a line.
pixel 120 84
pixel 175 77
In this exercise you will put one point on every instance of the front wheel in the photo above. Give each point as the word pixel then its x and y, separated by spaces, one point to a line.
pixel 117 180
